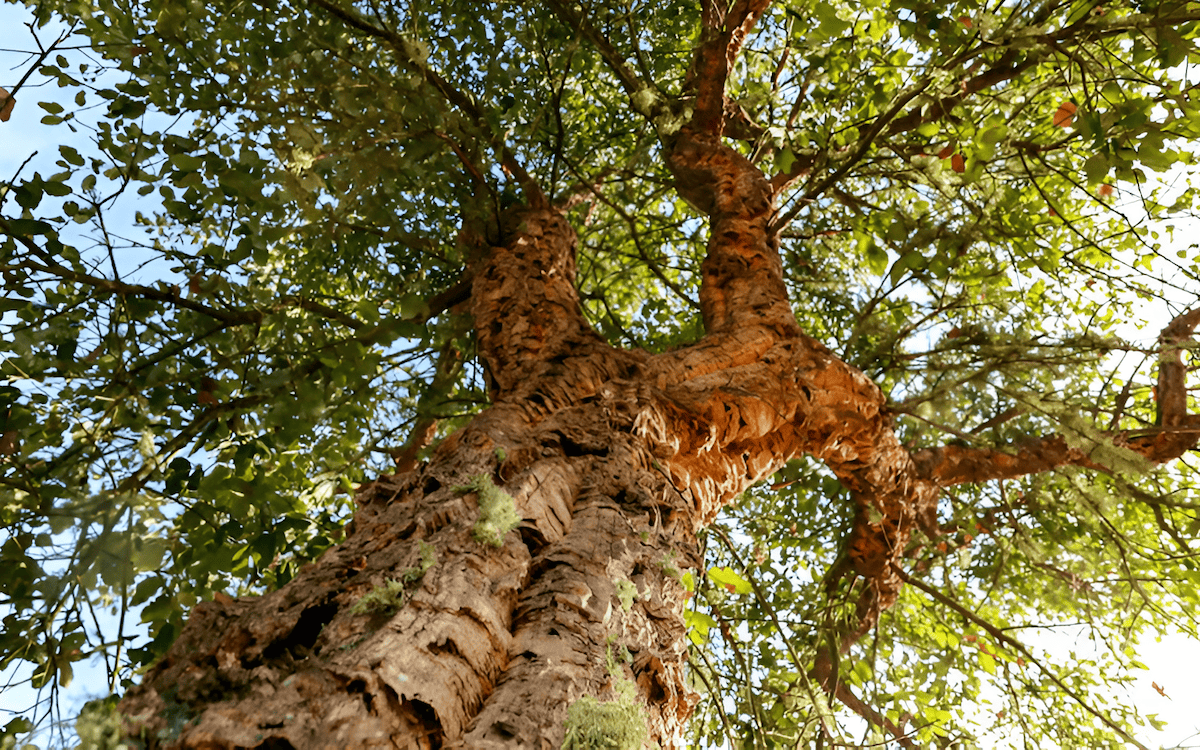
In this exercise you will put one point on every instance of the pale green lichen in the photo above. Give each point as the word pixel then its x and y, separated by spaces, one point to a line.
pixel 612 725
pixel 607 725
pixel 99 726
pixel 613 660
pixel 643 101
pixel 497 510
pixel 352 644
pixel 381 600
pixel 668 124
pixel 416 50
pixel 388 598
pixel 627 593
pixel 1080 434
pixel 428 560
pixel 667 564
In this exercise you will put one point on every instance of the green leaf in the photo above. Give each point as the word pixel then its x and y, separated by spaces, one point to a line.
pixel 71 155
pixel 877 259
pixel 1096 168
pixel 29 227
pixel 698 625
pixel 729 578
pixel 185 162
pixel 57 189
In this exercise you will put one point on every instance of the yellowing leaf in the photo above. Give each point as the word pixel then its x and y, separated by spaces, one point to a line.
pixel 728 578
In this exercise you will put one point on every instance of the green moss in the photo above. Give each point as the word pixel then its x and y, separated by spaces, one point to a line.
pixel 626 593
pixel 497 510
pixel 607 725
pixel 381 600
pixel 389 598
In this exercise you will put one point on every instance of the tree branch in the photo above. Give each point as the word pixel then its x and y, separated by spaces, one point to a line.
pixel 1178 431
pixel 446 371
pixel 628 79
pixel 1011 64
pixel 780 182
pixel 533 191
pixel 742 20
pixel 230 317
pixel 1017 646
pixel 823 672
pixel 722 37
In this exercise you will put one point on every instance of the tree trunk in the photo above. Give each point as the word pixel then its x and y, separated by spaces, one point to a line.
pixel 417 632
pixel 613 460
pixel 492 644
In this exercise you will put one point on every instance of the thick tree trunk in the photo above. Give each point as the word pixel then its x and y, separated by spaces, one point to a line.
pixel 612 477
pixel 492 644
pixel 614 460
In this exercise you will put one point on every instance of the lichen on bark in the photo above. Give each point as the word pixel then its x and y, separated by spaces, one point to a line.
pixel 497 513
pixel 619 724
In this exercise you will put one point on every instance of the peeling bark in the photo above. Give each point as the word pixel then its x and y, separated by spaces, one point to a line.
pixel 614 461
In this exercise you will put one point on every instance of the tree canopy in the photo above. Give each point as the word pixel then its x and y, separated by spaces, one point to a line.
pixel 971 209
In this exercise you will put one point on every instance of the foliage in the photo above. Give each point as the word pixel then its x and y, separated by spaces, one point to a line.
pixel 230 296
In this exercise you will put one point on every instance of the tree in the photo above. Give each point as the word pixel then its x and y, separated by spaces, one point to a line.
pixel 776 339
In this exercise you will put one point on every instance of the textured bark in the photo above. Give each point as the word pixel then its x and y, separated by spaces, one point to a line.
pixel 615 460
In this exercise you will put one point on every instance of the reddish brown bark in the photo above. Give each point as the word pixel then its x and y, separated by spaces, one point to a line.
pixel 614 459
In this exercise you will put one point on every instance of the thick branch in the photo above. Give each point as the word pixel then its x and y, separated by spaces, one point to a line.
pixel 1179 432
pixel 722 37
pixel 741 22
pixel 524 300
pixel 742 281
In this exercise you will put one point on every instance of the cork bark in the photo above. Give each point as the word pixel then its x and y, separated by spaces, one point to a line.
pixel 614 460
